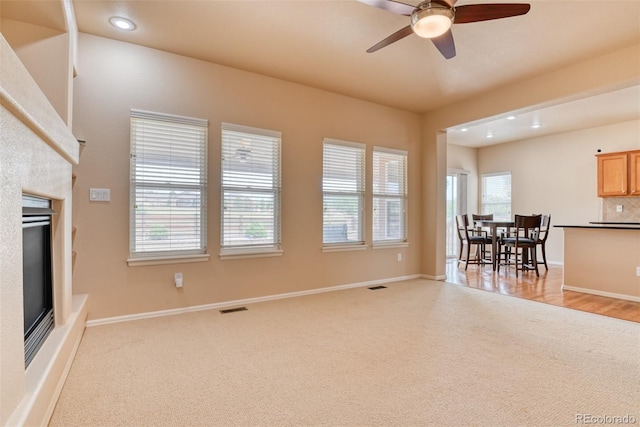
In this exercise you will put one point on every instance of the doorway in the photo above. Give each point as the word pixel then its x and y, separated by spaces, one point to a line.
pixel 456 205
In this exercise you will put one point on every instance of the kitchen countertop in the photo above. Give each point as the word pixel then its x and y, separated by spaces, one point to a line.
pixel 605 225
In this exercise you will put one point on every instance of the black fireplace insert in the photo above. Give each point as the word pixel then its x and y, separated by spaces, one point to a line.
pixel 36 273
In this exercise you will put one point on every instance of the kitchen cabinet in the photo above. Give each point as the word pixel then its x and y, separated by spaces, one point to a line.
pixel 619 174
pixel 634 173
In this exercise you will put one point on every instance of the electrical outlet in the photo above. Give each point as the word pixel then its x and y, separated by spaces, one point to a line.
pixel 399 256
pixel 618 208
pixel 178 280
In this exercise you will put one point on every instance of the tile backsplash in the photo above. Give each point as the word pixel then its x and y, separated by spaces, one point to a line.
pixel 630 209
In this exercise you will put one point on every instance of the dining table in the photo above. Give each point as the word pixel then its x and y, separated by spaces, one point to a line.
pixel 493 225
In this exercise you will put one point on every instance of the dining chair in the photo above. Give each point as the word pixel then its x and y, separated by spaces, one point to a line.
pixel 483 217
pixel 471 237
pixel 545 226
pixel 520 247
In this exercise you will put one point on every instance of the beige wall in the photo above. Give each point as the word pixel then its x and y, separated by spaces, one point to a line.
pixel 602 262
pixel 557 174
pixel 117 76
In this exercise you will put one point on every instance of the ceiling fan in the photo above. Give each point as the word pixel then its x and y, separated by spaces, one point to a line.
pixel 432 19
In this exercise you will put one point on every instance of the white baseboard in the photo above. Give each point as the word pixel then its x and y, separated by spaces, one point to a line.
pixel 430 277
pixel 225 304
pixel 601 293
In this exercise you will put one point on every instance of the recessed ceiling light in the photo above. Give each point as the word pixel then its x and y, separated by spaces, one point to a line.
pixel 489 135
pixel 122 23
pixel 511 117
pixel 464 130
pixel 536 125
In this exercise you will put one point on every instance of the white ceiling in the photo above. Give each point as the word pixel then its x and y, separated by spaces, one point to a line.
pixel 323 44
pixel 597 110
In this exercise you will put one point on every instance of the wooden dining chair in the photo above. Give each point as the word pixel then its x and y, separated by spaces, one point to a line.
pixel 483 217
pixel 545 225
pixel 470 237
pixel 520 247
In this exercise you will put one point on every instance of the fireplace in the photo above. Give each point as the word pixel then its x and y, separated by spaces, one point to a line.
pixel 36 273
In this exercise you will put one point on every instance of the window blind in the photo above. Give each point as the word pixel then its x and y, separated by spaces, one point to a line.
pixel 168 177
pixel 343 187
pixel 250 187
pixel 496 195
pixel 389 195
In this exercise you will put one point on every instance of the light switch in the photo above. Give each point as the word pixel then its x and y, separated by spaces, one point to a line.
pixel 618 208
pixel 99 195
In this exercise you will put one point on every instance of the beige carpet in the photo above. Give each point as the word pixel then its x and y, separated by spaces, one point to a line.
pixel 419 353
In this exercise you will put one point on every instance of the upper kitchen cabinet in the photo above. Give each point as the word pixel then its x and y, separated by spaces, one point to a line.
pixel 619 174
pixel 634 173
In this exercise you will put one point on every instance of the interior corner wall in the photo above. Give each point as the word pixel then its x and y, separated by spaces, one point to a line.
pixel 434 176
pixel 115 77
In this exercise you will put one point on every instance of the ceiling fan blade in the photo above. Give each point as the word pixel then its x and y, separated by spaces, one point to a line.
pixel 392 39
pixel 445 44
pixel 486 12
pixel 391 6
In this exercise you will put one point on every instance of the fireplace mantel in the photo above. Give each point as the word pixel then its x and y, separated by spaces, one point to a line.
pixel 37 151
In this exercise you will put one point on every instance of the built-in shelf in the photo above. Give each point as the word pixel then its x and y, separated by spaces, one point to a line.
pixel 74 254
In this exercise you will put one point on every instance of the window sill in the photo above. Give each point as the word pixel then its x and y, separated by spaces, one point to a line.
pixel 344 248
pixel 390 245
pixel 173 259
pixel 250 253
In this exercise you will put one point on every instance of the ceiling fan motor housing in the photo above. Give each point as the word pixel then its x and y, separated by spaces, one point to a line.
pixel 432 19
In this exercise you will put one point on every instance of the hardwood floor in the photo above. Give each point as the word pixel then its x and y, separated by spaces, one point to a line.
pixel 547 288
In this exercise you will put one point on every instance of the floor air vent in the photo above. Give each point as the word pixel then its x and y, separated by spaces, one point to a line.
pixel 233 310
pixel 375 288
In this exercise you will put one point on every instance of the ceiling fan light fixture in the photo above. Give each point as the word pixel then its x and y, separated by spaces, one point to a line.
pixel 431 20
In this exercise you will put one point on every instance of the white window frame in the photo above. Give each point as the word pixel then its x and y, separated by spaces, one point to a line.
pixel 251 250
pixel 357 243
pixel 489 207
pixel 383 192
pixel 189 135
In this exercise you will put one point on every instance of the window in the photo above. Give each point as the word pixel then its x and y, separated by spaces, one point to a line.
pixel 389 195
pixel 343 193
pixel 250 190
pixel 168 185
pixel 496 195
